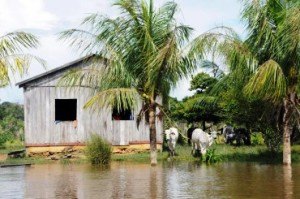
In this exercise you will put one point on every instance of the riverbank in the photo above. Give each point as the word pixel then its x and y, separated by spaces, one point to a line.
pixel 221 153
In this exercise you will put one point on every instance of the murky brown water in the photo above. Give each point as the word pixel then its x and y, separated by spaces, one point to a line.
pixel 184 180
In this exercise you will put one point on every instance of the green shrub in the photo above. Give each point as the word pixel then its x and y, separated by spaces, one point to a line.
pixel 5 137
pixel 13 144
pixel 273 139
pixel 98 150
pixel 257 139
pixel 211 156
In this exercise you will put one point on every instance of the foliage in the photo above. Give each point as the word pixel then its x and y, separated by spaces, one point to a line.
pixel 201 106
pixel 175 111
pixel 145 54
pixel 147 66
pixel 212 68
pixel 98 150
pixel 202 82
pixel 257 139
pixel 13 144
pixel 13 60
pixel 11 122
pixel 272 139
pixel 211 156
pixel 5 137
pixel 265 66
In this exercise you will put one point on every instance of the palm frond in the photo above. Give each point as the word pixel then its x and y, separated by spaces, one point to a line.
pixel 16 42
pixel 268 82
pixel 144 48
pixel 214 68
pixel 119 98
pixel 16 64
pixel 12 59
pixel 85 40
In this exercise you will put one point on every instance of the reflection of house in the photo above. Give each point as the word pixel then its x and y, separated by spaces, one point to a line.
pixel 54 116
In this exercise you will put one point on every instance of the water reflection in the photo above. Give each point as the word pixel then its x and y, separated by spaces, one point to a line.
pixel 153 183
pixel 66 186
pixel 287 182
pixel 168 180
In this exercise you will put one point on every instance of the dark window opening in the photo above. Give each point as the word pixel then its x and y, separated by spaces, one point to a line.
pixel 122 114
pixel 65 109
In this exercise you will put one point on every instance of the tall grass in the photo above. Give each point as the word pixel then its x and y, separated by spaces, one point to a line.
pixel 98 150
pixel 13 144
pixel 211 156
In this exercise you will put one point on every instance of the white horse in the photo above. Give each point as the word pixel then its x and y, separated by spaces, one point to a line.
pixel 201 140
pixel 172 137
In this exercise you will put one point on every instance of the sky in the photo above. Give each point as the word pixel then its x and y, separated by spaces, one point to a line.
pixel 46 18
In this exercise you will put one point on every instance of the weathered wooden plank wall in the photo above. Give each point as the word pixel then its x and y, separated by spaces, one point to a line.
pixel 41 127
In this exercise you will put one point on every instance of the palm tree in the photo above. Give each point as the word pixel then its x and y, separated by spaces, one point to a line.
pixel 144 48
pixel 268 61
pixel 12 58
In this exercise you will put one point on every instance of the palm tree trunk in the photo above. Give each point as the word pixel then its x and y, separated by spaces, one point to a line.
pixel 287 128
pixel 152 126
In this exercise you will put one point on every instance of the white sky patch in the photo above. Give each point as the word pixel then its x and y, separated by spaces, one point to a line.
pixel 55 52
pixel 46 18
pixel 25 14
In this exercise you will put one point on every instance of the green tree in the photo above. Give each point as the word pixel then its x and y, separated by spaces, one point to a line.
pixel 201 106
pixel 146 55
pixel 11 122
pixel 267 61
pixel 202 82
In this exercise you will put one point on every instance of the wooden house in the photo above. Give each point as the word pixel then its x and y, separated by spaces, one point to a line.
pixel 55 118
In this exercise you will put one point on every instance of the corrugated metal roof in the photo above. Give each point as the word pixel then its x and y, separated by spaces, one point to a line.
pixel 55 70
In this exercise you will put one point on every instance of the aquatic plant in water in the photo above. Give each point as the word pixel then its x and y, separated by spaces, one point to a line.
pixel 98 150
pixel 211 156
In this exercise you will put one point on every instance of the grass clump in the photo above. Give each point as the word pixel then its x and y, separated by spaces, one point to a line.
pixel 98 150
pixel 13 144
pixel 211 156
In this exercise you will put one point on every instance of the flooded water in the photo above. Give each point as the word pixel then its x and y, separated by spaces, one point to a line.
pixel 121 180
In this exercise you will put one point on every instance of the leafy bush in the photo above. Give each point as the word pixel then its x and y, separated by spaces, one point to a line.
pixel 257 139
pixel 273 139
pixel 5 137
pixel 98 150
pixel 11 123
pixel 13 144
pixel 211 156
